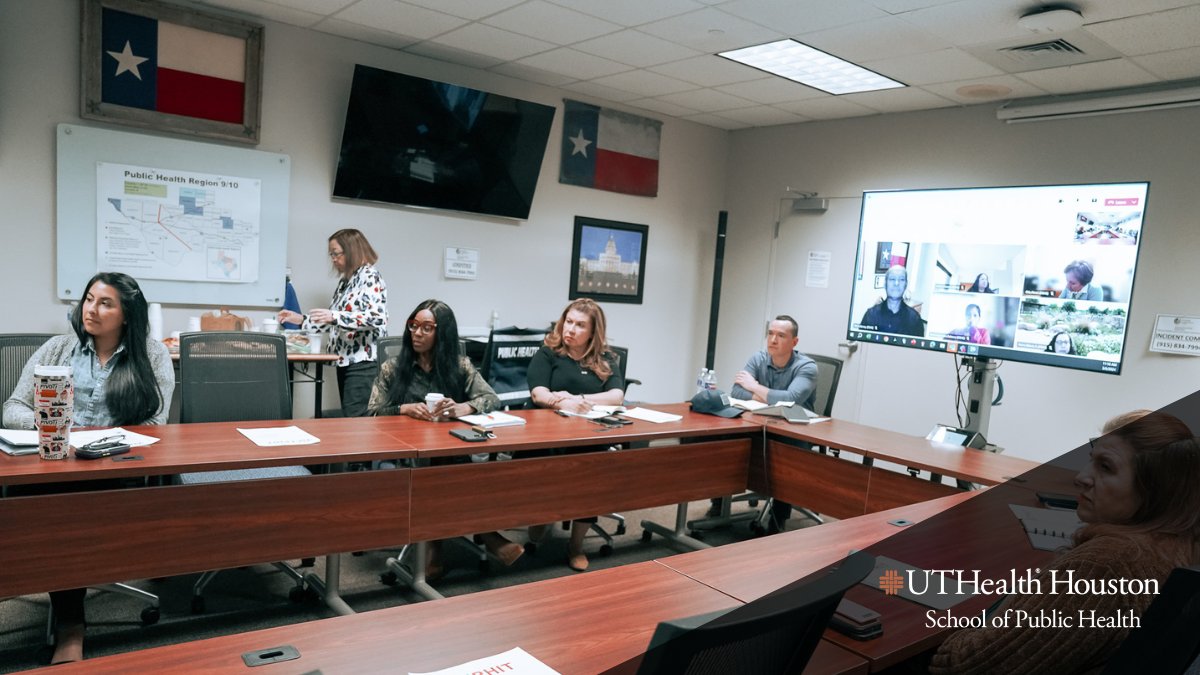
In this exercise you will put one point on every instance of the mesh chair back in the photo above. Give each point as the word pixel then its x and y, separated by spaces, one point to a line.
pixel 829 371
pixel 231 376
pixel 15 350
pixel 389 347
pixel 775 634
pixel 1166 639
pixel 506 362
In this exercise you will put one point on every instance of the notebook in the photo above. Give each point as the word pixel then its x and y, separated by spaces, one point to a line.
pixel 17 442
pixel 796 414
pixel 493 419
pixel 1048 529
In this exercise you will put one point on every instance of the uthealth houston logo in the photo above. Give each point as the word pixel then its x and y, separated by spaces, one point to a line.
pixel 1027 582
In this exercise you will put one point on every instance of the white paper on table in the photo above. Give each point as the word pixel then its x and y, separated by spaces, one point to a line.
pixel 648 415
pixel 516 661
pixel 610 409
pixel 593 414
pixel 133 440
pixel 17 438
pixel 271 436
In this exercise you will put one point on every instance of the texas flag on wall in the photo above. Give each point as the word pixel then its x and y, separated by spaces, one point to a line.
pixel 169 68
pixel 609 150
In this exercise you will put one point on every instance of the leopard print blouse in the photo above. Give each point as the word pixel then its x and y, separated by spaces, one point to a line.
pixel 360 317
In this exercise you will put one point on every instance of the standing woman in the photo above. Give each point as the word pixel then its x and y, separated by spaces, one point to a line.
pixel 429 362
pixel 356 318
pixel 121 376
pixel 573 371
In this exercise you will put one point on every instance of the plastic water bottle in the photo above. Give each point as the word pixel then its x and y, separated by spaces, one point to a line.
pixel 702 380
pixel 710 379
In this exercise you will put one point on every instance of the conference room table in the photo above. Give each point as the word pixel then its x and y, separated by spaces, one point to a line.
pixel 598 622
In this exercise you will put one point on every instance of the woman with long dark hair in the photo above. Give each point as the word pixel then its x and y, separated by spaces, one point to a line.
pixel 573 371
pixel 356 318
pixel 981 285
pixel 1141 513
pixel 121 376
pixel 429 362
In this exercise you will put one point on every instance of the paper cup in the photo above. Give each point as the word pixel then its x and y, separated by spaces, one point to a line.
pixel 431 401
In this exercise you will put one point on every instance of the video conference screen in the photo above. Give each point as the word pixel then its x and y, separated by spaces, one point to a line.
pixel 1040 274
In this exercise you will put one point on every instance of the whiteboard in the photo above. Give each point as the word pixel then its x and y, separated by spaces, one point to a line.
pixel 81 150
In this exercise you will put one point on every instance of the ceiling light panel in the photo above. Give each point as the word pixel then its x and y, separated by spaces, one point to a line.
pixel 813 67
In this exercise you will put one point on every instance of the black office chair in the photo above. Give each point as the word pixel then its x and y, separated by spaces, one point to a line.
pixel 829 373
pixel 231 376
pixel 15 350
pixel 773 635
pixel 506 361
pixel 1168 638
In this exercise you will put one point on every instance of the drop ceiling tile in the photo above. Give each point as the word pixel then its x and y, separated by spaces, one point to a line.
pixel 771 90
pixel 323 7
pixel 899 100
pixel 1180 64
pixel 552 23
pixel 576 64
pixel 830 107
pixel 1164 31
pixel 1111 74
pixel 441 52
pixel 394 17
pixel 493 42
pixel 1016 89
pixel 902 6
pixel 708 71
pixel 1107 11
pixel 363 33
pixel 794 17
pixel 969 22
pixel 663 107
pixel 710 30
pixel 467 9
pixel 602 92
pixel 875 39
pixel 707 100
pixel 717 121
pixel 762 116
pixel 631 12
pixel 635 48
pixel 271 12
pixel 645 83
pixel 930 67
pixel 532 74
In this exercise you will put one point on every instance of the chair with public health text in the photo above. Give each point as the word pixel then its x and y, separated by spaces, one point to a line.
pixel 233 376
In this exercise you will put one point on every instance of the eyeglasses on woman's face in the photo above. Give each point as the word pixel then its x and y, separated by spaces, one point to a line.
pixel 423 328
pixel 334 255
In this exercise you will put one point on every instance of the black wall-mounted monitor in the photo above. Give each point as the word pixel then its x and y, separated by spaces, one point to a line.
pixel 1040 274
pixel 417 142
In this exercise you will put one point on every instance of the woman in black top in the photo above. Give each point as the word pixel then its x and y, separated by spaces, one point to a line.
pixel 573 371
pixel 429 362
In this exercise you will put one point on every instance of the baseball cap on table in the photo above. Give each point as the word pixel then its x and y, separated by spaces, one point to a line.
pixel 714 402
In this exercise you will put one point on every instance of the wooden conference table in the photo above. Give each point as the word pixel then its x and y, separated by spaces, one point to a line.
pixel 602 621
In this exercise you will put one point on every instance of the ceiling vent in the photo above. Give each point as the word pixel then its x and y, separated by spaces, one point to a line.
pixel 1022 55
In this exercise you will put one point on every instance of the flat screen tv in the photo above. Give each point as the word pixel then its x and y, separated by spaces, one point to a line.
pixel 1040 274
pixel 418 142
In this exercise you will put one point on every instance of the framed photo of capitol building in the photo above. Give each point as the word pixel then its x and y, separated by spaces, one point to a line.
pixel 608 260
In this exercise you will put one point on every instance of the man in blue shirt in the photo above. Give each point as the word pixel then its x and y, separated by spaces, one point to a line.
pixel 778 373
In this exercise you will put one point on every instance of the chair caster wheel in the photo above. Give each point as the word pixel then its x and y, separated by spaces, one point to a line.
pixel 697 535
pixel 606 550
pixel 150 616
pixel 757 530
pixel 299 594
pixel 307 562
pixel 531 548
pixel 647 535
pixel 198 604
pixel 753 503
pixel 388 579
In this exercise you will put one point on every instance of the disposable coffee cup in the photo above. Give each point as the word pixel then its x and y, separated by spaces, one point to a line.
pixel 431 401
pixel 193 324
pixel 53 406
pixel 314 343
pixel 270 325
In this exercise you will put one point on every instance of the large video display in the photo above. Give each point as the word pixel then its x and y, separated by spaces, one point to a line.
pixel 1041 274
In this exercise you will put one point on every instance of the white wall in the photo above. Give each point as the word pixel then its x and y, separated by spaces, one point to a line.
pixel 524 265
pixel 1045 410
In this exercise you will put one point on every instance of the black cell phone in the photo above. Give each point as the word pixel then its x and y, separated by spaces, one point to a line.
pixel 614 420
pixel 106 450
pixel 468 435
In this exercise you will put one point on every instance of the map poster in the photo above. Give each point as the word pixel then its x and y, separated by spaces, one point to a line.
pixel 177 225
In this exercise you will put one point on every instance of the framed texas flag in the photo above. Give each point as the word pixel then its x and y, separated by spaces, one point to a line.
pixel 609 150
pixel 169 68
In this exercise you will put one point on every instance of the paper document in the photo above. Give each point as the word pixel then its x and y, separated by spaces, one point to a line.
pixel 593 414
pixel 649 415
pixel 610 409
pixel 19 437
pixel 493 419
pixel 81 438
pixel 752 405
pixel 273 436
pixel 1048 529
pixel 516 661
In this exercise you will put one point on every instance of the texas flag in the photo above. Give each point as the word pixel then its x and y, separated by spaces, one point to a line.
pixel 169 68
pixel 609 150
